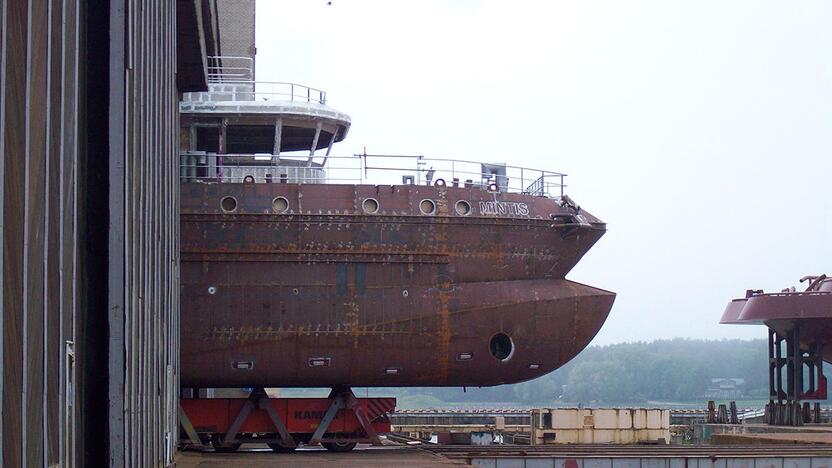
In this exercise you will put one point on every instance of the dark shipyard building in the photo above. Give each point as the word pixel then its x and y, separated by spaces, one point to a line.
pixel 89 95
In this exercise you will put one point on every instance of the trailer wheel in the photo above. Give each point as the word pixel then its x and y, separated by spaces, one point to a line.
pixel 339 446
pixel 216 442
pixel 231 448
pixel 281 449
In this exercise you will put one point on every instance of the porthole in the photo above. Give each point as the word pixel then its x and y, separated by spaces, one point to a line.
pixel 228 204
pixel 501 346
pixel 463 208
pixel 212 290
pixel 280 205
pixel 427 207
pixel 439 183
pixel 370 205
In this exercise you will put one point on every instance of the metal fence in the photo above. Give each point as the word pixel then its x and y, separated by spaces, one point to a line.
pixel 232 79
pixel 368 169
pixel 230 69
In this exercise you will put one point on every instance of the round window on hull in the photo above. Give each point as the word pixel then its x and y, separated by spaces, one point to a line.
pixel 280 205
pixel 370 205
pixel 501 347
pixel 463 208
pixel 427 207
pixel 228 204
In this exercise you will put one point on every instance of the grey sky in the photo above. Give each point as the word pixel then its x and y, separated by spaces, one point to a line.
pixel 699 131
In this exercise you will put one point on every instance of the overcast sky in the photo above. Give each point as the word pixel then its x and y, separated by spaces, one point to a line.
pixel 699 130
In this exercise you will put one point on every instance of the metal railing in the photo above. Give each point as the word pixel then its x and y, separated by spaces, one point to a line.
pixel 232 79
pixel 259 91
pixel 229 69
pixel 277 90
pixel 377 169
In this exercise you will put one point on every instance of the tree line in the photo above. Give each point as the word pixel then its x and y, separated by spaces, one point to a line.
pixel 676 370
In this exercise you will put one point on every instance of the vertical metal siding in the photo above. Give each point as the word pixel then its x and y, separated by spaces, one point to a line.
pixel 70 269
pixel 3 10
pixel 3 28
pixel 37 88
pixel 52 346
pixel 38 111
pixel 45 143
pixel 14 149
pixel 143 175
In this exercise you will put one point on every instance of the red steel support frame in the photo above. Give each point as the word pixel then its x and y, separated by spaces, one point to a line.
pixel 343 398
pixel 221 421
pixel 784 407
pixel 258 399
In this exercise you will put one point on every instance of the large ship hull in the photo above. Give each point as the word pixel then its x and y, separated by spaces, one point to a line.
pixel 304 286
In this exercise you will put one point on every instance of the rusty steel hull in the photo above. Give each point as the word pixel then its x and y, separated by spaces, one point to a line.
pixel 326 293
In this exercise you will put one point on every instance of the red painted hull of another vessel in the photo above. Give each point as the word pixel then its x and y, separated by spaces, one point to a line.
pixel 326 293
pixel 811 311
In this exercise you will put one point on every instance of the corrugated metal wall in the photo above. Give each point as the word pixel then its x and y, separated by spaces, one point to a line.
pixel 143 239
pixel 38 162
pixel 89 167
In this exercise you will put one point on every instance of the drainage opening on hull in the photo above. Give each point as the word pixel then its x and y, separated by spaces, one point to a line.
pixel 228 204
pixel 319 362
pixel 280 205
pixel 427 207
pixel 463 208
pixel 242 365
pixel 370 205
pixel 501 346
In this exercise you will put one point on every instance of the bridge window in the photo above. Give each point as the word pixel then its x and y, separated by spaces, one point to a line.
pixel 208 139
pixel 249 139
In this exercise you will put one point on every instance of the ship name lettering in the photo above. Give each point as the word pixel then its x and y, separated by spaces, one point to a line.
pixel 501 208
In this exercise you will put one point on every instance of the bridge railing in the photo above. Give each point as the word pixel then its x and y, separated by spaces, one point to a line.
pixel 232 79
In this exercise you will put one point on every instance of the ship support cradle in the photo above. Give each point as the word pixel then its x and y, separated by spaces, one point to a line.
pixel 337 422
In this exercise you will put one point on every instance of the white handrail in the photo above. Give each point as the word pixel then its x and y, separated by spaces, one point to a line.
pixel 369 169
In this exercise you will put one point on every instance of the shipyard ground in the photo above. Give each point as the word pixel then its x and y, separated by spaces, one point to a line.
pixel 315 457
pixel 551 456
